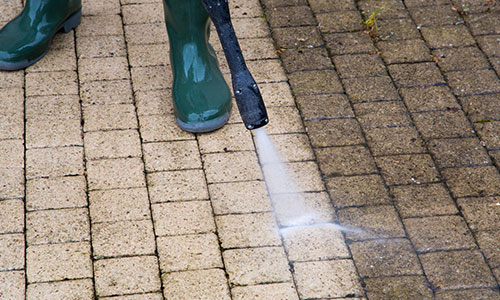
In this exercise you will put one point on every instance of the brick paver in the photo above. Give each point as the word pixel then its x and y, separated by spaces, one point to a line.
pixel 393 134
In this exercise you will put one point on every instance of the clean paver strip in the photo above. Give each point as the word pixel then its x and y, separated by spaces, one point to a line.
pixel 102 196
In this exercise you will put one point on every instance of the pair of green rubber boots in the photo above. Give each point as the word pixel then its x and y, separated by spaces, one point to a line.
pixel 202 99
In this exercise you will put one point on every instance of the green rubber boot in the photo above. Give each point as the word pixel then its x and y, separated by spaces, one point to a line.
pixel 202 99
pixel 26 39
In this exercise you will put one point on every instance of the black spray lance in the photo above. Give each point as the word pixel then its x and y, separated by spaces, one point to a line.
pixel 247 94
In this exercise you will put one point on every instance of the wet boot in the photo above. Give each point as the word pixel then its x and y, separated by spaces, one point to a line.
pixel 26 39
pixel 202 99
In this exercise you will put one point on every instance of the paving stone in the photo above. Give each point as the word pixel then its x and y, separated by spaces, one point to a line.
pixel 357 190
pixel 473 82
pixel 434 15
pixel 316 242
pixel 101 8
pixel 53 162
pixel 397 29
pixel 489 44
pixel 12 79
pixel 391 8
pixel 489 133
pixel 59 59
pixel 231 137
pixel 382 114
pixel 481 213
pixel 297 37
pixel 133 14
pixel 106 92
pixel 349 43
pixel 345 161
pixel 115 173
pixel 407 169
pixel 101 46
pixel 160 128
pixel 359 65
pixel 305 59
pixel 396 140
pixel 100 25
pixel 247 230
pixel 113 276
pixel 278 3
pixel 81 289
pixel 439 233
pixel 480 294
pixel 442 124
pixel 408 75
pixel 12 257
pixel 265 291
pixel 481 107
pixel 256 265
pixel 312 82
pixel 246 9
pixel 453 59
pixel 423 200
pixel 231 166
pixel 189 252
pixel 447 36
pixel 325 279
pixel 292 147
pixel 51 83
pixel 12 101
pixel 489 242
pixel 394 257
pixel 196 285
pixel 429 98
pixel 177 218
pixel 148 296
pixel 177 185
pixel 269 70
pixel 151 78
pixel 406 51
pixel 284 119
pixel 12 285
pixel 370 89
pixel 171 156
pixel 290 16
pixel 109 117
pixel 480 181
pixel 12 183
pixel 53 133
pixel 239 197
pixel 251 28
pixel 371 222
pixel 454 269
pixel 339 22
pixel 119 205
pixel 11 127
pixel 485 23
pixel 136 34
pixel 332 5
pixel 149 55
pixel 53 262
pixel 303 209
pixel 52 107
pixel 156 102
pixel 57 226
pixel 334 132
pixel 400 287
pixel 458 152
pixel 112 144
pixel 277 94
pixel 302 177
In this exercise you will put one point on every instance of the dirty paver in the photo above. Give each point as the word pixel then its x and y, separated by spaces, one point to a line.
pixel 393 134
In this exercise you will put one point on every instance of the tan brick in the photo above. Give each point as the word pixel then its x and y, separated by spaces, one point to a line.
pixel 105 68
pixel 12 285
pixel 133 14
pixel 148 296
pixel 123 238
pixel 232 137
pixel 152 78
pixel 53 162
pixel 58 192
pixel 245 9
pixel 82 289
pixel 115 173
pixel 11 126
pixel 109 117
pixel 53 107
pixel 196 285
pixel 12 101
pixel 189 252
pixel 51 83
pixel 11 182
pixel 325 279
pixel 248 230
pixel 316 242
pixel 277 94
pixel 162 128
pixel 100 25
pixel 176 218
pixel 232 166
pixel 106 92
pixel 149 55
pixel 258 48
pixel 256 265
pixel 156 102
pixel 12 256
pixel 113 276
pixel 251 28
pixel 146 34
pixel 53 133
pixel 239 197
pixel 177 186
pixel 119 205
pixel 112 144
pixel 293 177
pixel 303 208
pixel 12 79
pixel 272 291
pixel 11 216
pixel 57 59
pixel 291 147
pixel 284 119
pixel 11 154
pixel 51 262
pixel 101 8
pixel 57 226
pixel 101 46
pixel 172 156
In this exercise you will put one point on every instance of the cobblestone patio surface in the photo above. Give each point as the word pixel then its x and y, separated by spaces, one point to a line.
pixel 396 132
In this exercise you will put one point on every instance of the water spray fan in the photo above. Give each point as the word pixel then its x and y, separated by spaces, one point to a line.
pixel 247 94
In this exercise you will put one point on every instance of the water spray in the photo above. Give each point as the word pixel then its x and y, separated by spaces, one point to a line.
pixel 248 97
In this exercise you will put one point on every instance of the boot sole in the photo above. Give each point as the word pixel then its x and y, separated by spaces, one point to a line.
pixel 206 126
pixel 71 23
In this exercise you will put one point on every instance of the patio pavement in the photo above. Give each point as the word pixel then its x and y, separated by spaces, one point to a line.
pixel 394 132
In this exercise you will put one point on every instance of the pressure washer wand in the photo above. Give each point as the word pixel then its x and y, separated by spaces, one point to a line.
pixel 247 94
